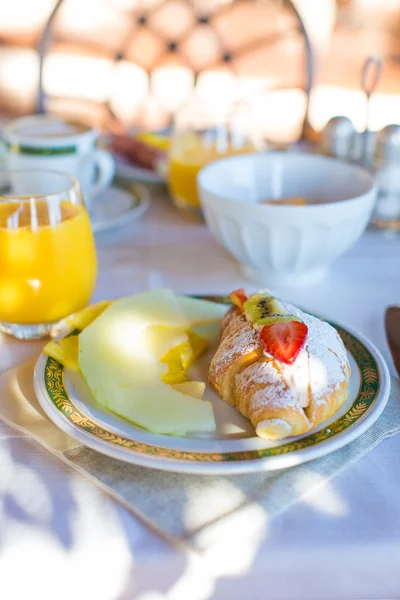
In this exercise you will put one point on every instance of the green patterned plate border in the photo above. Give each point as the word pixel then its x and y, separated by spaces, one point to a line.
pixel 370 383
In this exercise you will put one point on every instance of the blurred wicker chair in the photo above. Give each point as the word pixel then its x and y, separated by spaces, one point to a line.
pixel 253 38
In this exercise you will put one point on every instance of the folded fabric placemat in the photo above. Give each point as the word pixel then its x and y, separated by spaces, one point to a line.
pixel 195 509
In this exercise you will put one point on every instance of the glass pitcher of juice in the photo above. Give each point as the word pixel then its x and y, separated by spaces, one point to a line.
pixel 47 253
pixel 205 131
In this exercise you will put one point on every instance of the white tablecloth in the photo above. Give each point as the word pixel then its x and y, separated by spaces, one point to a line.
pixel 61 538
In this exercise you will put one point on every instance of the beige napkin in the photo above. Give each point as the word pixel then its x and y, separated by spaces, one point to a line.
pixel 194 509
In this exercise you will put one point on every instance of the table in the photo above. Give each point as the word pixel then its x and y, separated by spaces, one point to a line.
pixel 343 542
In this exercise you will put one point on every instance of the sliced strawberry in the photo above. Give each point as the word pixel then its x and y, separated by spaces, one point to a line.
pixel 284 340
pixel 239 297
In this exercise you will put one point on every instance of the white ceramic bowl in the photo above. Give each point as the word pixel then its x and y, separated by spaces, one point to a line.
pixel 281 244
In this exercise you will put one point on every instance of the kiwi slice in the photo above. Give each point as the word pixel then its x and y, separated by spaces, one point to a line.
pixel 275 318
pixel 263 309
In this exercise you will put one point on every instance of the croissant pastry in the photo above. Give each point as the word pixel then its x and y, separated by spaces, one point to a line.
pixel 282 368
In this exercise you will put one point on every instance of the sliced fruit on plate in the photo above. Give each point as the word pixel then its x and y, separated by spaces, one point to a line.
pixel 176 373
pixel 198 312
pixel 202 312
pixel 65 351
pixel 180 358
pixel 210 333
pixel 87 315
pixel 162 341
pixel 191 388
pixel 161 409
pixel 198 345
pixel 284 340
pixel 146 309
pixel 263 309
pixel 116 357
pixel 239 297
pixel 155 140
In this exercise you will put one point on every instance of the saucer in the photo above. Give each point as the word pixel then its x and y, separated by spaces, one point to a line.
pixel 118 205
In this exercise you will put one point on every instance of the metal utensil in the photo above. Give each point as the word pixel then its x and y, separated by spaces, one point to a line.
pixel 386 167
pixel 338 138
pixel 370 76
pixel 388 145
pixel 392 325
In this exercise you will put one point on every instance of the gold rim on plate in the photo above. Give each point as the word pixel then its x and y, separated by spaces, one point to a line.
pixel 369 389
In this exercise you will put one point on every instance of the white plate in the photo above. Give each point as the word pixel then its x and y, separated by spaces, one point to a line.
pixel 65 398
pixel 130 172
pixel 118 205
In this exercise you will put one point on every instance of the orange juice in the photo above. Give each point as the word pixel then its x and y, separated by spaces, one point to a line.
pixel 46 271
pixel 184 164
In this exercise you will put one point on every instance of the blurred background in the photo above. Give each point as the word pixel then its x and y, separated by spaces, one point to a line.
pixel 134 62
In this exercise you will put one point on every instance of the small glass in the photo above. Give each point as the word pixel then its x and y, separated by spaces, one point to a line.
pixel 204 132
pixel 47 253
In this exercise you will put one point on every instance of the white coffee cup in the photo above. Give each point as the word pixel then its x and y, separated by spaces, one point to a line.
pixel 50 142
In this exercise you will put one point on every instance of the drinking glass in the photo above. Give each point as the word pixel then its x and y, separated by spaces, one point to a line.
pixel 47 253
pixel 205 131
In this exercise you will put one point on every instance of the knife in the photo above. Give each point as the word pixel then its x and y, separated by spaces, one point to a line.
pixel 392 324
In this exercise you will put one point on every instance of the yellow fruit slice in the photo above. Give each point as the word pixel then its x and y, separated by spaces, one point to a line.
pixel 65 351
pixel 87 315
pixel 181 357
pixel 173 358
pixel 175 375
pixel 155 140
pixel 191 388
pixel 198 345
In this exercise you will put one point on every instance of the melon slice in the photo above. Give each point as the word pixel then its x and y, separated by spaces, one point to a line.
pixel 162 341
pixel 202 312
pixel 210 333
pixel 87 315
pixel 191 388
pixel 155 307
pixel 120 359
pixel 161 409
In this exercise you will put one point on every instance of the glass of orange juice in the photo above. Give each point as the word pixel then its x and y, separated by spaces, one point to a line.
pixel 47 253
pixel 205 131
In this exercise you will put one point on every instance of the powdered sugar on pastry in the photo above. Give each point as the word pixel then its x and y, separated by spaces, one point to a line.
pixel 238 341
pixel 280 399
pixel 266 374
pixel 328 363
pixel 319 369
